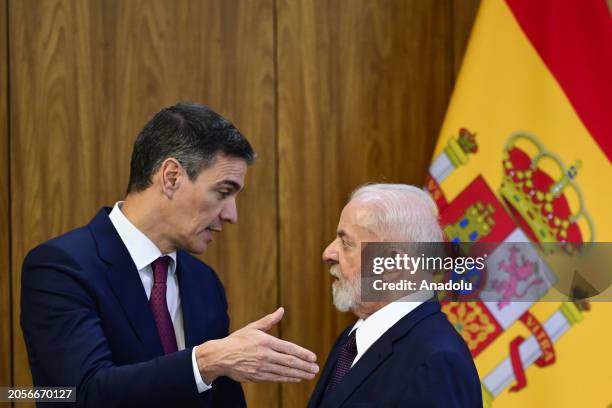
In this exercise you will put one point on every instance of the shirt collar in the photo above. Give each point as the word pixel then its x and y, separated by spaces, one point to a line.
pixel 142 250
pixel 374 326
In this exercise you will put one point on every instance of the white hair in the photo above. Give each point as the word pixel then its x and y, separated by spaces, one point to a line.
pixel 400 212
pixel 346 292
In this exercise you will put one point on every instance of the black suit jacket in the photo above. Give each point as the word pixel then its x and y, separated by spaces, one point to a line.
pixel 87 324
pixel 421 361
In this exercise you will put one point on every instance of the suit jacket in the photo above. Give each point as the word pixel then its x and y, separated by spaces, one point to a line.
pixel 421 361
pixel 87 323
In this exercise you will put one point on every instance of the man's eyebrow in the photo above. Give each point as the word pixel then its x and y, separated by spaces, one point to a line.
pixel 230 183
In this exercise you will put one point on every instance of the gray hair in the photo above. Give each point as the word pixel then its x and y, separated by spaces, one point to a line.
pixel 400 212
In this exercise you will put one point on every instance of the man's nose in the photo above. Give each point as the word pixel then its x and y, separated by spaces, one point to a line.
pixel 330 254
pixel 229 212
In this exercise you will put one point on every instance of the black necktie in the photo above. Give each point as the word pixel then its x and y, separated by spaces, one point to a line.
pixel 347 354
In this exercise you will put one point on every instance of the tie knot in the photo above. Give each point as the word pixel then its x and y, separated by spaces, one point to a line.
pixel 160 269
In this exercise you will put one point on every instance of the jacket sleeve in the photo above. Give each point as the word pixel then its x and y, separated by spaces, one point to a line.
pixel 67 345
pixel 445 379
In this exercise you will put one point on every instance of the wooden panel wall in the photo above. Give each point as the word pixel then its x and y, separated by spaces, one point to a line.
pixel 331 94
pixel 86 75
pixel 5 230
pixel 363 88
pixel 464 12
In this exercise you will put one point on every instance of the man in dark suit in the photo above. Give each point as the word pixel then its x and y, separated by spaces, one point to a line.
pixel 120 310
pixel 401 353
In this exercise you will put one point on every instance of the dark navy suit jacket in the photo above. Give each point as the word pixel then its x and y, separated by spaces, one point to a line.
pixel 87 324
pixel 421 361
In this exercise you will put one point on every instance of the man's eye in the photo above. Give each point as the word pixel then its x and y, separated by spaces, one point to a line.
pixel 223 194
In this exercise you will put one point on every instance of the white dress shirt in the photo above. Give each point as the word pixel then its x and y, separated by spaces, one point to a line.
pixel 374 326
pixel 143 252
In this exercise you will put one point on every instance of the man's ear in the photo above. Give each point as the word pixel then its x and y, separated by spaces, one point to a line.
pixel 395 274
pixel 394 250
pixel 171 174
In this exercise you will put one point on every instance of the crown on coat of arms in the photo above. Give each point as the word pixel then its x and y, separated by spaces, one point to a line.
pixel 467 141
pixel 458 149
pixel 476 222
pixel 540 201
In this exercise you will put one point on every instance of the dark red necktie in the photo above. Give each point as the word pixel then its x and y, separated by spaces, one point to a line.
pixel 159 305
pixel 347 354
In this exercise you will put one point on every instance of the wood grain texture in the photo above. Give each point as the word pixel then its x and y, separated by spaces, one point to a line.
pixel 363 87
pixel 86 76
pixel 5 287
pixel 463 16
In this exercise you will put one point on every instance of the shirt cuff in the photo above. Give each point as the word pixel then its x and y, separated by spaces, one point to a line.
pixel 202 386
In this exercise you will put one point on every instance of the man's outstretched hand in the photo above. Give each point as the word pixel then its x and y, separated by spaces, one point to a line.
pixel 252 355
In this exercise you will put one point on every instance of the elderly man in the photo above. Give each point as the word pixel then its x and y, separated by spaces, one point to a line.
pixel 119 308
pixel 399 353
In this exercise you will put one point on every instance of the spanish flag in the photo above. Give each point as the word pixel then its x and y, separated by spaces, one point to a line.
pixel 524 156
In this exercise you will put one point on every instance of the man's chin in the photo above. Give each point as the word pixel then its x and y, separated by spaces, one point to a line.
pixel 342 301
pixel 342 308
pixel 197 249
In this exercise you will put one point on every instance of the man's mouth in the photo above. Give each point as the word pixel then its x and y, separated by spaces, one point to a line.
pixel 334 272
pixel 208 233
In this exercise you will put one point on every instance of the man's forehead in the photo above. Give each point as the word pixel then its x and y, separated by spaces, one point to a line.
pixel 229 165
pixel 355 212
pixel 353 219
pixel 227 170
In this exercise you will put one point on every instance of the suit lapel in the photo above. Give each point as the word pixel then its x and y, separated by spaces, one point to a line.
pixel 188 288
pixel 319 391
pixel 377 354
pixel 125 282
